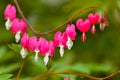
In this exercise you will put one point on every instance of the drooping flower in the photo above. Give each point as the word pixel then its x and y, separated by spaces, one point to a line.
pixel 33 46
pixel 60 40
pixel 50 52
pixel 83 26
pixel 94 18
pixel 18 26
pixel 46 49
pixel 9 15
pixel 103 23
pixel 24 43
pixel 43 46
pixel 71 35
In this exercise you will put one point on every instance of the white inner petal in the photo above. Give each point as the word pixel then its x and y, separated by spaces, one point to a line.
pixel 46 58
pixel 69 43
pixel 93 29
pixel 61 50
pixel 17 36
pixel 23 53
pixel 36 55
pixel 8 24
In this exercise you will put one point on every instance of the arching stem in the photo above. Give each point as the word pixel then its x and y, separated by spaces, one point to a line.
pixel 76 74
pixel 58 27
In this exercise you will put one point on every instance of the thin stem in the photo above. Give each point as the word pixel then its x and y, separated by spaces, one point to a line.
pixel 112 75
pixel 22 15
pixel 76 74
pixel 20 70
pixel 58 27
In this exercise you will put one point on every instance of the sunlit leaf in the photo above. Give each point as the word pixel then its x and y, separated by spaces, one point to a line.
pixel 5 76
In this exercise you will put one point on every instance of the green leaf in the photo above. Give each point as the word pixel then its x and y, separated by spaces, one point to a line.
pixel 5 76
pixel 2 52
pixel 9 68
pixel 35 67
pixel 82 68
pixel 101 67
pixel 5 55
pixel 59 67
pixel 15 47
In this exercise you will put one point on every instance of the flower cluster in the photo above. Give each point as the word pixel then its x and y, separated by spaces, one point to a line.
pixel 16 25
pixel 41 45
pixel 46 48
pixel 84 25
pixel 61 39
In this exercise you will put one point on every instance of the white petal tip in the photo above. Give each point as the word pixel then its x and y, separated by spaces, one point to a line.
pixel 16 41
pixel 23 53
pixel 45 63
pixel 61 50
pixel 8 24
pixel 17 37
pixel 70 46
pixel 61 55
pixel 23 56
pixel 46 59
pixel 36 55
pixel 69 43
pixel 36 60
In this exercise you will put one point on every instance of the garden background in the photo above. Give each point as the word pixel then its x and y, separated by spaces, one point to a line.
pixel 98 56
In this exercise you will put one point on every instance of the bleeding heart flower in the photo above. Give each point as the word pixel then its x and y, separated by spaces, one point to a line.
pixel 46 49
pixel 83 26
pixel 94 18
pixel 60 40
pixel 33 46
pixel 71 35
pixel 103 23
pixel 18 26
pixel 43 46
pixel 24 43
pixel 32 43
pixel 9 15
pixel 50 52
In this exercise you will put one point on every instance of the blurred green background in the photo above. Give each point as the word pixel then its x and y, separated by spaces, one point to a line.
pixel 98 56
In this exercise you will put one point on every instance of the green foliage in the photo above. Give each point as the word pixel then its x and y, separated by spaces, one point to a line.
pixel 98 56
pixel 9 68
pixel 5 76
pixel 15 47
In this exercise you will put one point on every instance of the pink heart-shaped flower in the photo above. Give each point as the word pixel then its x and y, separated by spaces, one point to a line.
pixel 18 25
pixel 43 46
pixel 32 43
pixel 10 12
pixel 24 40
pixel 83 25
pixel 94 18
pixel 60 39
pixel 71 31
